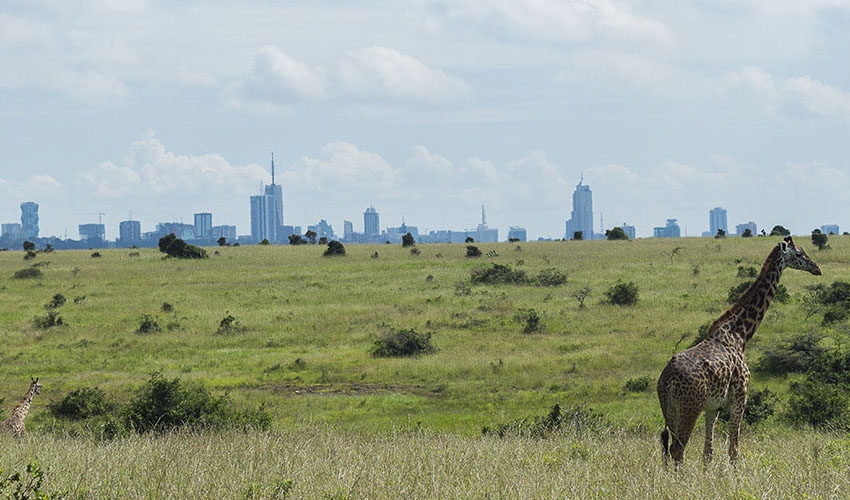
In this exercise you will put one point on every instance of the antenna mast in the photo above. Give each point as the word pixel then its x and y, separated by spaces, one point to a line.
pixel 273 169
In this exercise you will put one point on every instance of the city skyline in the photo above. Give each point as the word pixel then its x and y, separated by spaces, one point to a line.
pixel 426 109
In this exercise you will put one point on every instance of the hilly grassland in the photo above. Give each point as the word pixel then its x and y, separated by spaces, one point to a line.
pixel 301 331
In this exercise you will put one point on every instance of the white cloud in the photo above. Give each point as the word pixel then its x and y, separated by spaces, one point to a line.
pixel 279 78
pixel 818 97
pixel 17 31
pixel 383 72
pixel 343 167
pixel 430 163
pixel 151 170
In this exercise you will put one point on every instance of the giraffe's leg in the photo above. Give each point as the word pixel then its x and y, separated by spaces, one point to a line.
pixel 708 450
pixel 736 414
pixel 680 433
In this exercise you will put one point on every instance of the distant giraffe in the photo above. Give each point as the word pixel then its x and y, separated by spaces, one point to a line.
pixel 16 421
pixel 712 374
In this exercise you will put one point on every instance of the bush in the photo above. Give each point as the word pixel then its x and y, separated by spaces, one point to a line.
pixel 163 405
pixel 229 324
pixel 56 302
pixel 498 274
pixel 550 277
pixel 81 404
pixel 27 273
pixel 737 291
pixel 623 294
pixel 173 246
pixel 639 384
pixel 531 319
pixel 407 240
pixel 52 319
pixel 334 248
pixel 149 324
pixel 793 356
pixel 822 399
pixel 402 343
pixel 472 251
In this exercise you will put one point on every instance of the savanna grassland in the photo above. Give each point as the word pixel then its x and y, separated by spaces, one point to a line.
pixel 349 425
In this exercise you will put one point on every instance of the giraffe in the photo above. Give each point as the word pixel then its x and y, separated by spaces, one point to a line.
pixel 16 422
pixel 713 374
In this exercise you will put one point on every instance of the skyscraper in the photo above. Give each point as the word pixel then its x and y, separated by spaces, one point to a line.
pixel 581 218
pixel 203 226
pixel 371 222
pixel 717 221
pixel 267 213
pixel 29 219
pixel 129 232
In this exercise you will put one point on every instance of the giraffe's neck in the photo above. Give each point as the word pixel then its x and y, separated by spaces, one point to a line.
pixel 24 406
pixel 744 317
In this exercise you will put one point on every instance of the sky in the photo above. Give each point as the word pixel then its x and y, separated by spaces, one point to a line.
pixel 154 110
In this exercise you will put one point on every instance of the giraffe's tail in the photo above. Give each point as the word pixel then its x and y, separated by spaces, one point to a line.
pixel 665 444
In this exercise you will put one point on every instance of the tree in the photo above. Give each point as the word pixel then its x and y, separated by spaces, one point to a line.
pixel 748 233
pixel 222 242
pixel 616 233
pixel 720 234
pixel 469 239
pixel 175 247
pixel 311 236
pixel 296 239
pixel 578 235
pixel 779 231
pixel 407 240
pixel 334 248
pixel 819 239
pixel 29 246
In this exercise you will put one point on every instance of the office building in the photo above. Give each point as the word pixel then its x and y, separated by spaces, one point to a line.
pixel 267 213
pixel 741 229
pixel 830 229
pixel 371 222
pixel 92 232
pixel 203 226
pixel 517 234
pixel 29 219
pixel 717 221
pixel 581 217
pixel 670 230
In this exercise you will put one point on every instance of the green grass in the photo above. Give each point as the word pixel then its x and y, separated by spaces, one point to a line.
pixel 292 304
pixel 412 426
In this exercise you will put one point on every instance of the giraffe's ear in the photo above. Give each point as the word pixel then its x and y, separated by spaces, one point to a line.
pixel 789 240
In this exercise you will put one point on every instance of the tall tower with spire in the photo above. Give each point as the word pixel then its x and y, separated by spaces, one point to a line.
pixel 267 213
pixel 581 217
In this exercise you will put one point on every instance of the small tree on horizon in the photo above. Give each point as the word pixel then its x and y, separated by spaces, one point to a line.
pixel 720 234
pixel 748 233
pixel 819 239
pixel 578 235
pixel 616 233
pixel 779 231
pixel 407 240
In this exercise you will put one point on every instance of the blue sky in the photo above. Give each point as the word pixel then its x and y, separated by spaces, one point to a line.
pixel 426 109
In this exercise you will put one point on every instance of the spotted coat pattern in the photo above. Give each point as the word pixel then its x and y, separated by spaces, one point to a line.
pixel 713 374
pixel 15 423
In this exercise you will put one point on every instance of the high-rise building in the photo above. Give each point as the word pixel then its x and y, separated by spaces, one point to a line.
pixel 717 221
pixel 267 213
pixel 581 218
pixel 517 234
pixel 29 219
pixel 129 233
pixel 92 232
pixel 830 229
pixel 671 230
pixel 741 229
pixel 371 222
pixel 203 226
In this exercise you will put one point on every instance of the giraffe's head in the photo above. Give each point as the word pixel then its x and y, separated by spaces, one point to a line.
pixel 794 257
pixel 35 386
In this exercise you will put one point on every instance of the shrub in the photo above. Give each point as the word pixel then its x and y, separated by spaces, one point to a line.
pixel 623 294
pixel 639 384
pixel 148 325
pixel 531 319
pixel 81 404
pixel 747 272
pixel 27 273
pixel 173 246
pixel 26 486
pixel 792 356
pixel 737 291
pixel 334 248
pixel 56 302
pixel 472 251
pixel 162 405
pixel 52 319
pixel 402 343
pixel 229 324
pixel 550 277
pixel 407 240
pixel 822 399
pixel 498 274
